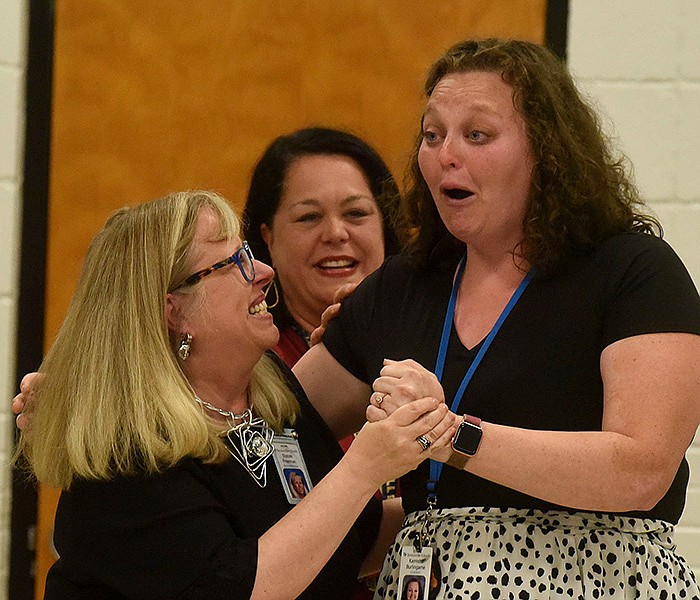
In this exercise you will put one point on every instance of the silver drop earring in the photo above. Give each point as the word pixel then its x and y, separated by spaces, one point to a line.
pixel 183 350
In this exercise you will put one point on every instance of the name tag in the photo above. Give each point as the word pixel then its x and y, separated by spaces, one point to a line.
pixel 291 467
pixel 414 573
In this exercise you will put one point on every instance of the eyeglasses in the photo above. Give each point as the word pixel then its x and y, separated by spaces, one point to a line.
pixel 243 257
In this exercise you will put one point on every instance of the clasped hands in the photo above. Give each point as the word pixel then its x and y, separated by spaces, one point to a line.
pixel 402 382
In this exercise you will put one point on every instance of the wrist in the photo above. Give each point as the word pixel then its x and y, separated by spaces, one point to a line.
pixel 361 464
pixel 357 474
pixel 466 441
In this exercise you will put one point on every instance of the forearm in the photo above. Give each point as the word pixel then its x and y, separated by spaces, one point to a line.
pixel 312 530
pixel 317 525
pixel 337 395
pixel 650 414
pixel 392 518
pixel 595 471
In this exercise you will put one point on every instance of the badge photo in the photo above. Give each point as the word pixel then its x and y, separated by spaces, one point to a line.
pixel 291 467
pixel 414 573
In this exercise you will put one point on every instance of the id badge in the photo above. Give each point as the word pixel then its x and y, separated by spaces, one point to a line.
pixel 414 572
pixel 291 467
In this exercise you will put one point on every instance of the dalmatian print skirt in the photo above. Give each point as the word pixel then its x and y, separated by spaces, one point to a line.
pixel 493 553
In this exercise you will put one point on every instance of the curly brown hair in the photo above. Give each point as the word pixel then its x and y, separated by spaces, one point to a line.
pixel 580 193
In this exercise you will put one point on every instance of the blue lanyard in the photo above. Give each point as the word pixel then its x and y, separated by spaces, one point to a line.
pixel 435 466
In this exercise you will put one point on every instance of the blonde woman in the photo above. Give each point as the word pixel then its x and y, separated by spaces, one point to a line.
pixel 168 427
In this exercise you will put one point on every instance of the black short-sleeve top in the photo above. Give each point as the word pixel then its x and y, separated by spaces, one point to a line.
pixel 192 531
pixel 542 369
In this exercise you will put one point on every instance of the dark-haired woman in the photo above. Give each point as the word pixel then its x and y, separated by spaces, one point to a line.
pixel 321 209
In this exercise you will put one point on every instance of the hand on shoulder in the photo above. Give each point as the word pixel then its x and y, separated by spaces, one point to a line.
pixel 332 311
pixel 20 401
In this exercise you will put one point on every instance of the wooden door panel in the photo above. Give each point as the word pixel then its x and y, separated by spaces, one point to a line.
pixel 152 97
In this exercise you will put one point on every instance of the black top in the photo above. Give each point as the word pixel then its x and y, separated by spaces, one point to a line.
pixel 192 531
pixel 542 369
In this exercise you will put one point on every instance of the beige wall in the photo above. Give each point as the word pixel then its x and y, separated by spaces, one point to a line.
pixel 13 52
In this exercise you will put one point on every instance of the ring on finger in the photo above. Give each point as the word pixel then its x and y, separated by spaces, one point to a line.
pixel 378 398
pixel 424 442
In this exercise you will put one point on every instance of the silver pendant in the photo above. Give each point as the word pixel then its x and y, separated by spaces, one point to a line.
pixel 251 446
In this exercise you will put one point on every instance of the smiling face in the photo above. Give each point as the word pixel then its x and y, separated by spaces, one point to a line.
pixel 412 591
pixel 475 158
pixel 327 231
pixel 226 312
pixel 298 484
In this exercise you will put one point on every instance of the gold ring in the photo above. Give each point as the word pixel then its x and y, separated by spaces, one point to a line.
pixel 378 398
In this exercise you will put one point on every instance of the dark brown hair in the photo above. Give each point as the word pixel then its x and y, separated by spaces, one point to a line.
pixel 580 192
pixel 270 172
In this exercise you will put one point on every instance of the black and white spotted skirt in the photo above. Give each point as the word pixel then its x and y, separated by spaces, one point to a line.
pixel 487 553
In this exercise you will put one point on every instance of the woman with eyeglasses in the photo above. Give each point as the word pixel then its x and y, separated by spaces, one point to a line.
pixel 171 429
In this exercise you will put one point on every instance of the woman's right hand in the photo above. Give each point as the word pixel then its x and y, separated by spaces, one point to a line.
pixel 20 401
pixel 401 382
pixel 389 448
pixel 332 311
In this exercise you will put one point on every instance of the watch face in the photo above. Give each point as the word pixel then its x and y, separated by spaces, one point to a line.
pixel 467 438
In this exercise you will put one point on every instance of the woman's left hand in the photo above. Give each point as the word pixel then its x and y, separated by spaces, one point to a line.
pixel 401 382
pixel 443 453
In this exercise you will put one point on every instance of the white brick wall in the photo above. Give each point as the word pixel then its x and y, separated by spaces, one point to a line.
pixel 13 21
pixel 640 60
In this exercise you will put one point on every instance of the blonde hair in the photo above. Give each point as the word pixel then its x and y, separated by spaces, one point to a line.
pixel 112 399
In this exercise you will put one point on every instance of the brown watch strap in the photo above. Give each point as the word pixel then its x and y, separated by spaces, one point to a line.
pixel 459 460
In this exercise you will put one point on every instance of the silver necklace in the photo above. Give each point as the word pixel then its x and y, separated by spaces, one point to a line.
pixel 221 411
pixel 250 438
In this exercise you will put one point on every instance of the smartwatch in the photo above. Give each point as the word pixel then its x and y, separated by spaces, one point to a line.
pixel 465 442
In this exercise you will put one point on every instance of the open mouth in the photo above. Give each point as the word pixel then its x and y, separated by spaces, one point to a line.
pixel 339 263
pixel 457 193
pixel 258 309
